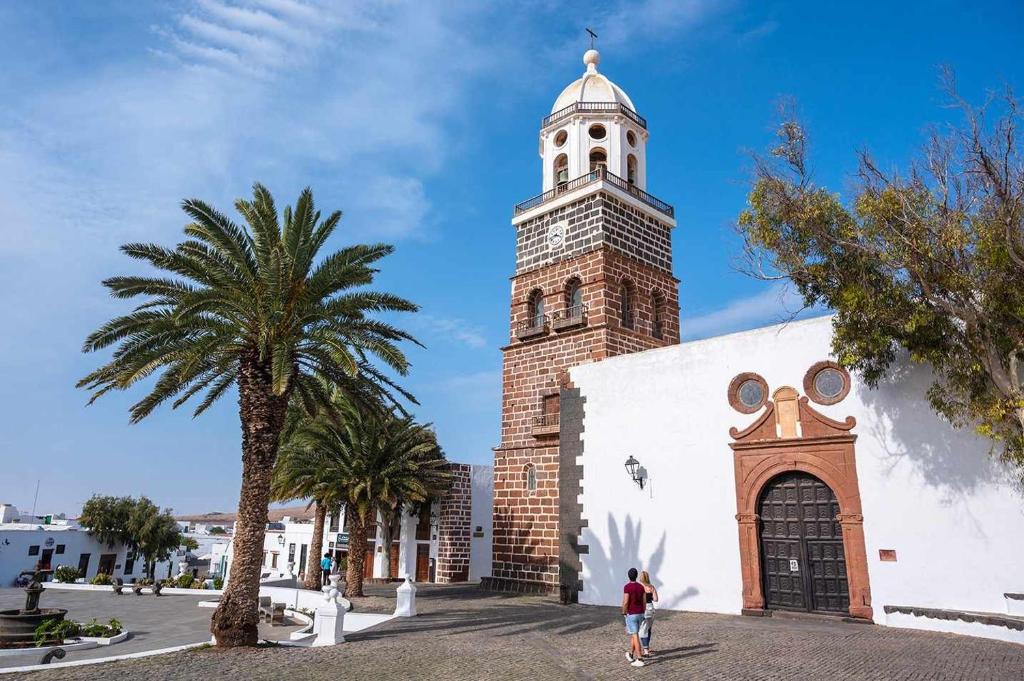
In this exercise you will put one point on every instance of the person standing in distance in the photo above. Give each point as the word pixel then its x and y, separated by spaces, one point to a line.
pixel 325 569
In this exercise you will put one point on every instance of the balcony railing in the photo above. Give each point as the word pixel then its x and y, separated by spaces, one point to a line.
pixel 595 176
pixel 594 107
pixel 545 424
pixel 533 327
pixel 570 317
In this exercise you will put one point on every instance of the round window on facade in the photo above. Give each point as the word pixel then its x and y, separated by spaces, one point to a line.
pixel 561 138
pixel 597 132
pixel 631 138
pixel 826 383
pixel 748 392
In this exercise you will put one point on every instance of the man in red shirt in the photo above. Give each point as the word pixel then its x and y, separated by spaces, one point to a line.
pixel 633 611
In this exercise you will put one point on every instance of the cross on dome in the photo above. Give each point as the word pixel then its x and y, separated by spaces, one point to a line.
pixel 592 86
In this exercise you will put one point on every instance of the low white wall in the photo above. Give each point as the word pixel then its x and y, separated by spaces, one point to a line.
pixel 929 492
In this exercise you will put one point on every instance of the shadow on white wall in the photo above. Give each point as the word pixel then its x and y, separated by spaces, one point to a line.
pixel 607 566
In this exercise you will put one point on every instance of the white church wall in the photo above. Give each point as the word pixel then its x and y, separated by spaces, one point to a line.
pixel 929 492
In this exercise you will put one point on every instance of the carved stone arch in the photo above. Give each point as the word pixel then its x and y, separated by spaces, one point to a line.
pixel 791 436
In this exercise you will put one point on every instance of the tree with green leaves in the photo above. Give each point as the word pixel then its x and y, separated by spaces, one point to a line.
pixel 138 524
pixel 930 262
pixel 107 518
pixel 305 473
pixel 217 530
pixel 154 533
pixel 259 308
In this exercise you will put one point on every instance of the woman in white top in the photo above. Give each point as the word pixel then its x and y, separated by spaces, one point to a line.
pixel 650 598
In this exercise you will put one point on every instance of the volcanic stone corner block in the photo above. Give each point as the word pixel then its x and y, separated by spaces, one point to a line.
pixel 571 409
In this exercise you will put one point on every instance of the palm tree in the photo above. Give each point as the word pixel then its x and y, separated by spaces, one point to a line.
pixel 306 473
pixel 255 307
pixel 385 463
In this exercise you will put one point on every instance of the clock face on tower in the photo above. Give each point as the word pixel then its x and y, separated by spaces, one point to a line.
pixel 556 234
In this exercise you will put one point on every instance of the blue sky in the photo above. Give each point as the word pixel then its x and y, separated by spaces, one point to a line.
pixel 419 121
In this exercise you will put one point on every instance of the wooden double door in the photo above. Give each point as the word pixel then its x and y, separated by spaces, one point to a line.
pixel 803 561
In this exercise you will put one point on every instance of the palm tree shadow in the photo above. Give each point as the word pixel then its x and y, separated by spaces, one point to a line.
pixel 605 568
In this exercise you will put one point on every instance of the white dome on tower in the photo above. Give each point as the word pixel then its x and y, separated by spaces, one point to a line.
pixel 592 87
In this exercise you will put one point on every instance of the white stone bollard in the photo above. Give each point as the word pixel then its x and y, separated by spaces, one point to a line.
pixel 405 603
pixel 329 620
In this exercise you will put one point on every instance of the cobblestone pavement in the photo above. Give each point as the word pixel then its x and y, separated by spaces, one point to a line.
pixel 462 633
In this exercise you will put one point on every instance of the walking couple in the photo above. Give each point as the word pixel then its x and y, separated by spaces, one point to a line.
pixel 638 599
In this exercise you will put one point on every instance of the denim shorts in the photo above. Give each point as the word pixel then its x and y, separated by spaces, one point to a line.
pixel 633 623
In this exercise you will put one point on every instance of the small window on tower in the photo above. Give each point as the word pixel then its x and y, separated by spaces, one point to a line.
pixel 530 475
pixel 631 169
pixel 598 160
pixel 535 308
pixel 597 132
pixel 574 297
pixel 631 138
pixel 561 170
pixel 626 305
pixel 657 315
pixel 561 138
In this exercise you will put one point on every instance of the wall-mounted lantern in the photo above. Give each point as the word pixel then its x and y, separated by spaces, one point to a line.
pixel 280 539
pixel 635 471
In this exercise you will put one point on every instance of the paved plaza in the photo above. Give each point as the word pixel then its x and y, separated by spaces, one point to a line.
pixel 163 622
pixel 463 633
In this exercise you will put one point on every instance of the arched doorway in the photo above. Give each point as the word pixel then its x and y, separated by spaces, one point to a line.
pixel 803 561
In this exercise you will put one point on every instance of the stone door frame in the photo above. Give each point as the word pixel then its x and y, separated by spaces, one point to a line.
pixel 823 448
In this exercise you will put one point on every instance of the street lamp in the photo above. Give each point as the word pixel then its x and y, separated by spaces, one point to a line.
pixel 634 470
pixel 280 539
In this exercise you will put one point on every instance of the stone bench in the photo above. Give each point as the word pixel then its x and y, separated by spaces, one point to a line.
pixel 271 612
pixel 119 586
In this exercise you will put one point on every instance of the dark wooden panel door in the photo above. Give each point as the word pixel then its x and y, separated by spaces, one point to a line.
pixel 394 560
pixel 423 562
pixel 368 563
pixel 107 561
pixel 803 564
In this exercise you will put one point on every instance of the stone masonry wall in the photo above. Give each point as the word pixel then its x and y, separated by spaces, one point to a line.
pixel 526 523
pixel 598 220
pixel 454 527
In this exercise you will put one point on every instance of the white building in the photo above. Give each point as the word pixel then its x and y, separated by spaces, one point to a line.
pixel 775 480
pixel 448 540
pixel 26 542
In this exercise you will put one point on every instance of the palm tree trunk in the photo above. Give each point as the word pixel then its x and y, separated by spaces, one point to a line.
pixel 356 553
pixel 234 622
pixel 316 547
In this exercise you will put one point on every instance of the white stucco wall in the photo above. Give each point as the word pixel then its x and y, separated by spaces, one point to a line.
pixel 929 492
pixel 481 513
pixel 17 538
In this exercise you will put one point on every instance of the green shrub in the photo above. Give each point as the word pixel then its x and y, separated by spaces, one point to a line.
pixel 53 631
pixel 218 583
pixel 184 581
pixel 97 630
pixel 66 574
pixel 100 578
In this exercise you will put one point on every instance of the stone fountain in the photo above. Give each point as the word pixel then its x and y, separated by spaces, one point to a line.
pixel 17 627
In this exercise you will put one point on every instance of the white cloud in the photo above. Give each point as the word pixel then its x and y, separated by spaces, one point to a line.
pixel 453 329
pixel 777 303
pixel 653 19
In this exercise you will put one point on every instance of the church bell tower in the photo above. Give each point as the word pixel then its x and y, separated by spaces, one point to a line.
pixel 593 279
